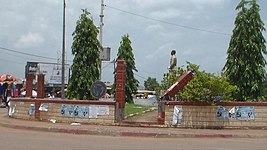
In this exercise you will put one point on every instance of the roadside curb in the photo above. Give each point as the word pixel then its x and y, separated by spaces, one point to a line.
pixel 107 132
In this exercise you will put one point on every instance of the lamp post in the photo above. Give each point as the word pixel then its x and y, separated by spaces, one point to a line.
pixel 101 33
pixel 63 52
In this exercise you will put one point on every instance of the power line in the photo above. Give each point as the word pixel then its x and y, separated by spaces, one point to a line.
pixel 140 76
pixel 107 65
pixel 7 49
pixel 14 55
pixel 143 71
pixel 23 53
pixel 15 51
pixel 13 62
pixel 169 23
pixel 104 67
pixel 150 72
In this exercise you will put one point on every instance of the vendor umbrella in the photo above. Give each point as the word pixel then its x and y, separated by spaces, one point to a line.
pixel 7 77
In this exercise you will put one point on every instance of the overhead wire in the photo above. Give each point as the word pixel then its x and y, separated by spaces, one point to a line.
pixel 44 57
pixel 150 72
pixel 109 63
pixel 131 13
pixel 169 23
pixel 140 76
pixel 11 50
pixel 15 51
pixel 33 55
pixel 8 53
pixel 14 62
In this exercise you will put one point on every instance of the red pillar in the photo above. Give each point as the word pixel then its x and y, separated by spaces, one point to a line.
pixel 40 86
pixel 29 80
pixel 120 90
pixel 120 83
pixel 161 112
pixel 37 111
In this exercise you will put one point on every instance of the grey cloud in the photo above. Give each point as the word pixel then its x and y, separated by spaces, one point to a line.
pixel 152 40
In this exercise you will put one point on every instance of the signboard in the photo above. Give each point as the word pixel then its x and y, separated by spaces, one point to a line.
pixel 98 89
pixel 105 54
pixel 31 68
pixel 52 71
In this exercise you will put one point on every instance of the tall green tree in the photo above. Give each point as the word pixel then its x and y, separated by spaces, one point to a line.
pixel 151 84
pixel 245 61
pixel 125 53
pixel 86 62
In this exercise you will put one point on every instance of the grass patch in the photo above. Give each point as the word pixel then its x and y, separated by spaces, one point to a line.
pixel 132 109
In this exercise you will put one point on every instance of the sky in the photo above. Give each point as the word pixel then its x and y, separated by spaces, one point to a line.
pixel 199 31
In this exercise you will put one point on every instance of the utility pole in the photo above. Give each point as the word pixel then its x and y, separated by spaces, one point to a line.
pixel 63 52
pixel 101 32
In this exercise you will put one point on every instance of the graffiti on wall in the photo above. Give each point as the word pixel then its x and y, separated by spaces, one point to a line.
pixel 177 115
pixel 236 113
pixel 79 111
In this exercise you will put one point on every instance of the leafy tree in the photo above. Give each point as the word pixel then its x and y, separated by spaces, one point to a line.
pixel 125 53
pixel 86 62
pixel 151 84
pixel 203 87
pixel 245 61
pixel 264 91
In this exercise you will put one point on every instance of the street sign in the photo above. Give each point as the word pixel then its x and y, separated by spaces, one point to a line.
pixel 105 54
pixel 98 89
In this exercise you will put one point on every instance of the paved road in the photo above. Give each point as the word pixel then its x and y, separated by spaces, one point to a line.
pixel 21 140
pixel 3 111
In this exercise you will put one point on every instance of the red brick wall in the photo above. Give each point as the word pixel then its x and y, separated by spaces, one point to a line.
pixel 22 106
pixel 203 115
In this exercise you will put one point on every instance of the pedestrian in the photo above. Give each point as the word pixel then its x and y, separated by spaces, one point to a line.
pixel 2 105
pixel 5 95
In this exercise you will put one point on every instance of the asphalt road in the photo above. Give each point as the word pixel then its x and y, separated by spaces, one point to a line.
pixel 32 140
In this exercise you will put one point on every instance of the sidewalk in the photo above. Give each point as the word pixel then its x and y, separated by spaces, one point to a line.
pixel 156 132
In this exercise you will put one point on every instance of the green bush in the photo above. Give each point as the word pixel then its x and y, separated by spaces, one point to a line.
pixel 203 87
